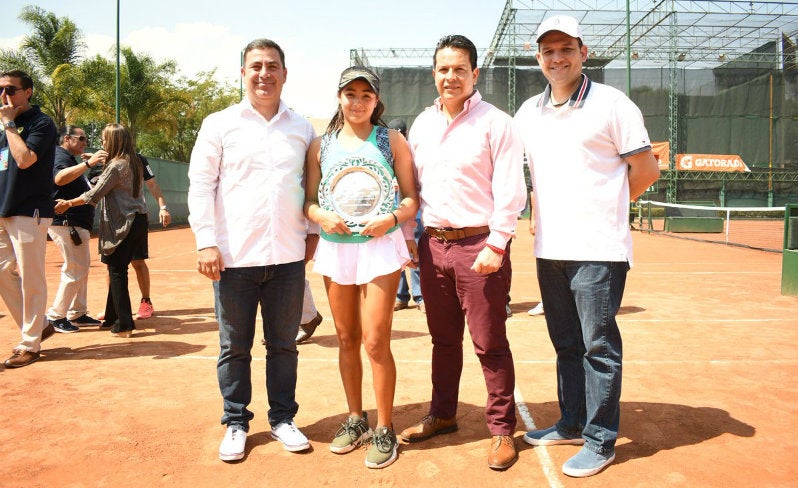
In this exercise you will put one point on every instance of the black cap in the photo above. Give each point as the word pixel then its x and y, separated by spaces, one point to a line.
pixel 360 72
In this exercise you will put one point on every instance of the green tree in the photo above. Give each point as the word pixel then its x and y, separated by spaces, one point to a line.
pixel 50 54
pixel 199 97
pixel 147 94
pixel 148 98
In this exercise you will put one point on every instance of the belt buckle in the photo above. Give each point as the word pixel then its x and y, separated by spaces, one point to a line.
pixel 439 234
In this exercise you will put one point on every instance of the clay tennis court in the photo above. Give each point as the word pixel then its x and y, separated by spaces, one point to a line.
pixel 710 392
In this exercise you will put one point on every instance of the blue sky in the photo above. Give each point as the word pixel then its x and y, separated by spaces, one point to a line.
pixel 315 34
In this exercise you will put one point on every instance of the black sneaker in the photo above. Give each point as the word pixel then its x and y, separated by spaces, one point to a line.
pixel 64 326
pixel 85 320
pixel 307 330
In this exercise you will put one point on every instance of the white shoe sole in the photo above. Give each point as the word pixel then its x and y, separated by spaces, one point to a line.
pixel 583 473
pixel 363 439
pixel 291 448
pixel 231 457
pixel 386 463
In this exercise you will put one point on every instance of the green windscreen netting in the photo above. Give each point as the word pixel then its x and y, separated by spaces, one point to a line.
pixel 730 109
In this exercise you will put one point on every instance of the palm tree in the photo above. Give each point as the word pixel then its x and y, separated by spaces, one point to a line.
pixel 50 54
pixel 147 93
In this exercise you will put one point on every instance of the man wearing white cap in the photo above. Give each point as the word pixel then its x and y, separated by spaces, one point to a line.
pixel 589 154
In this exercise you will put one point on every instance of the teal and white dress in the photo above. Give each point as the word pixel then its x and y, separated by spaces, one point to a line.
pixel 358 185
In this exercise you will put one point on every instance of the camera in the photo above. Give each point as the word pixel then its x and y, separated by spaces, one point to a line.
pixel 73 234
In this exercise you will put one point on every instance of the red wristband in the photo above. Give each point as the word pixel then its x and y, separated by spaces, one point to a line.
pixel 495 249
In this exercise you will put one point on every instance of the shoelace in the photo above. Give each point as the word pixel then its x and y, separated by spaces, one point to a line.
pixel 351 428
pixel 384 442
pixel 502 440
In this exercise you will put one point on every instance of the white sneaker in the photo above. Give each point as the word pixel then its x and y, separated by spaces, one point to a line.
pixel 293 440
pixel 232 447
pixel 538 310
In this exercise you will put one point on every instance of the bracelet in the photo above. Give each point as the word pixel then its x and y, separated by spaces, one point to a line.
pixel 164 207
pixel 87 164
pixel 495 249
pixel 395 220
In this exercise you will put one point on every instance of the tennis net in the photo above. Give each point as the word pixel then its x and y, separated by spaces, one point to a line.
pixel 753 227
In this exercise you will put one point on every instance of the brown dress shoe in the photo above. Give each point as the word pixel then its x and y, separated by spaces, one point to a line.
pixel 21 358
pixel 399 305
pixel 428 427
pixel 502 452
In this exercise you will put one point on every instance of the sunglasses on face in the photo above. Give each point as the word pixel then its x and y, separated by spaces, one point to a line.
pixel 10 90
pixel 80 138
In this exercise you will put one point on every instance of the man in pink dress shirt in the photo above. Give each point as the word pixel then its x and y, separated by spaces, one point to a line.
pixel 468 161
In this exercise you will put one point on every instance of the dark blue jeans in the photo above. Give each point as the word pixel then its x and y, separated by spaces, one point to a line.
pixel 582 299
pixel 278 289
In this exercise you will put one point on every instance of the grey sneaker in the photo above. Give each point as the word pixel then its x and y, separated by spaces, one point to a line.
pixel 383 450
pixel 352 433
pixel 587 463
pixel 551 437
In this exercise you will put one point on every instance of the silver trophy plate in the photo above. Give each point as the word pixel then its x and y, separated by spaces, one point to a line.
pixel 357 189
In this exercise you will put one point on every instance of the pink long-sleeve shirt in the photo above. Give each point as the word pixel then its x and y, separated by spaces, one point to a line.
pixel 469 171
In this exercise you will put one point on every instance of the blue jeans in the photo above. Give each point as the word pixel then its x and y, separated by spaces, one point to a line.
pixel 279 290
pixel 414 289
pixel 582 299
pixel 405 292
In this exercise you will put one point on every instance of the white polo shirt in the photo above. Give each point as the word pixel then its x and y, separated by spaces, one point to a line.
pixel 246 190
pixel 580 178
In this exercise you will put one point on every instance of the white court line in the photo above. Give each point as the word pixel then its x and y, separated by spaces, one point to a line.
pixel 643 362
pixel 543 454
pixel 680 273
pixel 623 320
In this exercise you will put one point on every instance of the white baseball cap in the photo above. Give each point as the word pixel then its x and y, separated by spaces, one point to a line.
pixel 562 23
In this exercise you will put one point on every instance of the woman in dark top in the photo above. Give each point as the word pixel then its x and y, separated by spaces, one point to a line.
pixel 123 221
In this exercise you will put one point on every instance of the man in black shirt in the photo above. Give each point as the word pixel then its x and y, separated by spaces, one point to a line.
pixel 27 147
pixel 71 230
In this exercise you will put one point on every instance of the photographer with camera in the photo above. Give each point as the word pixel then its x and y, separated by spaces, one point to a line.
pixel 70 231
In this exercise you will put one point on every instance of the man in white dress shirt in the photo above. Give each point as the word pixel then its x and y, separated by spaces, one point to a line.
pixel 245 208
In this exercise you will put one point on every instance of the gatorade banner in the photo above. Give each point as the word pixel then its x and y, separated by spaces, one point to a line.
pixel 710 162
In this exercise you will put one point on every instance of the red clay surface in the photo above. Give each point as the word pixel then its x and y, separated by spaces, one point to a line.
pixel 710 393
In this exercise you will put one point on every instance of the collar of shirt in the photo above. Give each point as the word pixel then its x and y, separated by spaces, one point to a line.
pixel 577 99
pixel 470 102
pixel 248 109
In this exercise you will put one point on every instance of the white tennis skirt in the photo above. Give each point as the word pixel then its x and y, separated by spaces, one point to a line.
pixel 357 263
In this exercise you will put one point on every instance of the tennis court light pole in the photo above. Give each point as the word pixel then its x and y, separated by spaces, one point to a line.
pixel 117 62
pixel 628 53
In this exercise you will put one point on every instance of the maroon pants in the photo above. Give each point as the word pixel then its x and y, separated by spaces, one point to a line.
pixel 456 295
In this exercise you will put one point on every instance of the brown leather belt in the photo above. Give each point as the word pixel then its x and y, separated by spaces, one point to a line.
pixel 455 234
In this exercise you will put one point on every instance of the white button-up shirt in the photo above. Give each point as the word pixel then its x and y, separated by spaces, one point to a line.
pixel 246 189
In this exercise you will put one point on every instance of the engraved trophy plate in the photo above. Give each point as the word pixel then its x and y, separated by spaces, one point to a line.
pixel 357 189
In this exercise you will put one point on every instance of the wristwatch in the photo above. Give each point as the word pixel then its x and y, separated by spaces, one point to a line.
pixel 9 125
